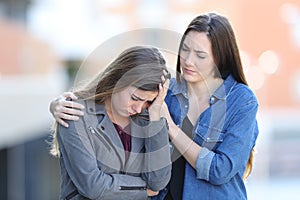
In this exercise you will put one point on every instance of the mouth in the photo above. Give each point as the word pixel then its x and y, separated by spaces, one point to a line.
pixel 131 114
pixel 188 71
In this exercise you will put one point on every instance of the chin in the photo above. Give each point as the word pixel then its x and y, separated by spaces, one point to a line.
pixel 188 78
pixel 192 79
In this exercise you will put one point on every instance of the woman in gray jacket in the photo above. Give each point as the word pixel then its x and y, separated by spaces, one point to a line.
pixel 119 149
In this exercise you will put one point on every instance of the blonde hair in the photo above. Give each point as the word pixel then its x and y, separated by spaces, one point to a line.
pixel 249 165
pixel 54 147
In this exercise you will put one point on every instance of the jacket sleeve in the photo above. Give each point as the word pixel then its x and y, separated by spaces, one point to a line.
pixel 81 165
pixel 157 155
pixel 230 157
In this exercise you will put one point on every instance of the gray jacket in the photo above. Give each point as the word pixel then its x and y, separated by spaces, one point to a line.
pixel 93 163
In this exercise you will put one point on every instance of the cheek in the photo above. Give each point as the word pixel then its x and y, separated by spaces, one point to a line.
pixel 181 61
pixel 204 64
pixel 182 57
pixel 120 103
pixel 126 103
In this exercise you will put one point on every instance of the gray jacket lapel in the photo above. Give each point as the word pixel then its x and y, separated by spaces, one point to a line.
pixel 107 128
pixel 137 143
pixel 104 127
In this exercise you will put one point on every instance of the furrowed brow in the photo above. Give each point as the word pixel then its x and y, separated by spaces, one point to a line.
pixel 140 99
pixel 199 51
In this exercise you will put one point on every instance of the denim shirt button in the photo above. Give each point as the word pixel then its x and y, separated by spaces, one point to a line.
pixel 186 106
pixel 212 100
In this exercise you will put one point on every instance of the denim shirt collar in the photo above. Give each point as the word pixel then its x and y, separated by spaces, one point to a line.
pixel 221 93
pixel 178 87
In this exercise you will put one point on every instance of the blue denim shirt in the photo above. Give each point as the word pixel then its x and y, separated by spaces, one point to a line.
pixel 226 131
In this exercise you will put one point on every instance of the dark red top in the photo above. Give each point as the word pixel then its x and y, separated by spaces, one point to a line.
pixel 125 137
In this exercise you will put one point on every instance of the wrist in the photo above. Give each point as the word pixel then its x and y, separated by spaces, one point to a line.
pixel 154 117
pixel 154 114
pixel 173 131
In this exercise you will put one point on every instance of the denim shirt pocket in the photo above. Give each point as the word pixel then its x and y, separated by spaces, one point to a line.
pixel 208 137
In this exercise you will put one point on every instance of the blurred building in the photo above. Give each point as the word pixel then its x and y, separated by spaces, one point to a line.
pixel 42 41
pixel 30 75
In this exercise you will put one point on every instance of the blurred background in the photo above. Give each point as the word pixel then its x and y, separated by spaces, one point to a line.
pixel 43 43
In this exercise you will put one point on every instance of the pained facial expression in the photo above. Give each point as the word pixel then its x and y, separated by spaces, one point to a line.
pixel 196 58
pixel 131 101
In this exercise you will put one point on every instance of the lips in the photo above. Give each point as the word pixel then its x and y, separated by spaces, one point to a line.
pixel 188 71
pixel 130 114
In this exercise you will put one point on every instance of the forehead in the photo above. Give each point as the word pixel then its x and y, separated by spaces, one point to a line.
pixel 142 94
pixel 197 40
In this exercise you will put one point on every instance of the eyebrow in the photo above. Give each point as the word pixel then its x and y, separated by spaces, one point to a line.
pixel 140 99
pixel 197 51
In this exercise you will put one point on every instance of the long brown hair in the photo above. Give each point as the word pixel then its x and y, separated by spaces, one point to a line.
pixel 138 66
pixel 225 53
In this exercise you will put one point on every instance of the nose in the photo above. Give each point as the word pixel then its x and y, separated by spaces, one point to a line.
pixel 138 107
pixel 188 59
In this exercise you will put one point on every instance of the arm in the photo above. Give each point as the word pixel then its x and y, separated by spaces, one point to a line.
pixel 81 165
pixel 230 157
pixel 187 147
pixel 62 110
pixel 157 155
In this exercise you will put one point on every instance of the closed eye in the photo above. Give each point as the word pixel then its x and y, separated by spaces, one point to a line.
pixel 200 56
pixel 134 98
pixel 184 47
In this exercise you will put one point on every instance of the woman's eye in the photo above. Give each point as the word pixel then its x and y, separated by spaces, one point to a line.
pixel 134 98
pixel 200 56
pixel 184 49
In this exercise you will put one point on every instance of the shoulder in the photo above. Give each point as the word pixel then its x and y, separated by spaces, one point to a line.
pixel 173 83
pixel 236 90
pixel 177 86
pixel 74 125
pixel 243 93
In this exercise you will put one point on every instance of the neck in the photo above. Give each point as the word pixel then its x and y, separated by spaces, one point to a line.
pixel 114 116
pixel 204 88
pixel 199 94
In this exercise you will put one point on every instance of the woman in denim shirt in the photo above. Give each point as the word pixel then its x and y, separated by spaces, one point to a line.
pixel 212 120
pixel 211 96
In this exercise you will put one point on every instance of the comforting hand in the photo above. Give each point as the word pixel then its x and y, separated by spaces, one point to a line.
pixel 61 109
